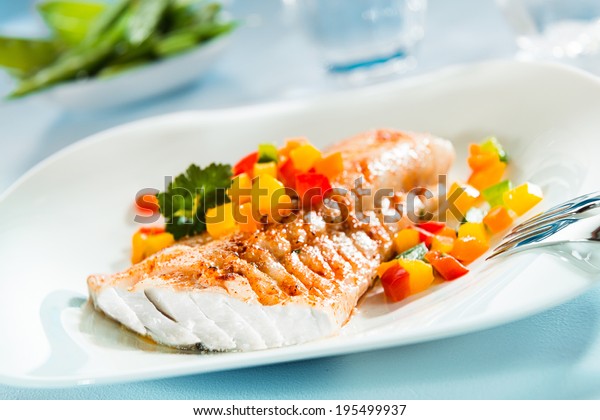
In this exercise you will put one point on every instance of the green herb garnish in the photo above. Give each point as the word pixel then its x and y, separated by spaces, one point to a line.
pixel 190 195
pixel 417 252
pixel 267 153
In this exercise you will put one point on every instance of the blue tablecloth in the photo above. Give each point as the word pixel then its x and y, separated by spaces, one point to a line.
pixel 555 354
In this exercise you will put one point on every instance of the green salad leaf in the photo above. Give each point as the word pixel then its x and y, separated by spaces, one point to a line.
pixel 26 55
pixel 190 195
pixel 70 20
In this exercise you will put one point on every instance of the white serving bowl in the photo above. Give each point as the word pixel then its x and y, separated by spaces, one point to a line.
pixel 140 83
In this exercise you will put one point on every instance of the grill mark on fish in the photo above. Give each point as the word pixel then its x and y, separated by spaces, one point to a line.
pixel 266 262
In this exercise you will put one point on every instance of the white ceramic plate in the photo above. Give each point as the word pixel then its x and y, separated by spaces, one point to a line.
pixel 71 216
pixel 138 83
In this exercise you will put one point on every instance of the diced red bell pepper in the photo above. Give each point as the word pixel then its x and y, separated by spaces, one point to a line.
pixel 431 226
pixel 246 164
pixel 287 174
pixel 146 203
pixel 152 230
pixel 424 235
pixel 311 188
pixel 396 283
pixel 448 266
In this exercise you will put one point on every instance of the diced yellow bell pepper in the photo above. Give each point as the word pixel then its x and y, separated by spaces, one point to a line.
pixel 406 239
pixel 384 266
pixel 476 230
pixel 145 244
pixel 330 166
pixel 421 274
pixel 464 200
pixel 246 222
pixel 447 231
pixel 267 168
pixel 523 198
pixel 266 193
pixel 138 247
pixel 155 243
pixel 304 157
pixel 240 190
pixel 220 220
pixel 442 243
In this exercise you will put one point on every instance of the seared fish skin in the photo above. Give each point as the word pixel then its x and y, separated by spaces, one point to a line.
pixel 282 285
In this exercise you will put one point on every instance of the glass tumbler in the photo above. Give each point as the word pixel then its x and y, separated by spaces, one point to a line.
pixel 558 30
pixel 364 37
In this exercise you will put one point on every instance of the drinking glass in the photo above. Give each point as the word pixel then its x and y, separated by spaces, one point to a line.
pixel 560 30
pixel 364 37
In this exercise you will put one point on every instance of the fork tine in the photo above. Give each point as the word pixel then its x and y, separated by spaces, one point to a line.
pixel 530 233
pixel 562 208
pixel 507 244
pixel 579 213
pixel 522 230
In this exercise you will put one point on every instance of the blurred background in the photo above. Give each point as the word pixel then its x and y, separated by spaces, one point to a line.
pixel 269 57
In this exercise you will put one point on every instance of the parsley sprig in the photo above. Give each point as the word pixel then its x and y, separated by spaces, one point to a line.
pixel 190 195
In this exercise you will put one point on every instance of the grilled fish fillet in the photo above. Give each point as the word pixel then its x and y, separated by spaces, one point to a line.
pixel 282 285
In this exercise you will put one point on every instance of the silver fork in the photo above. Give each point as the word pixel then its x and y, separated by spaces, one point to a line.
pixel 570 230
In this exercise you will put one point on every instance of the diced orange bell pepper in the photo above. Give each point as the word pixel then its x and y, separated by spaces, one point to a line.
pixel 523 198
pixel 461 198
pixel 488 176
pixel 468 248
pixel 421 274
pixel 475 149
pixel 291 144
pixel 482 160
pixel 330 166
pixel 498 219
pixel 442 243
pixel 246 220
pixel 405 239
pixel 304 157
